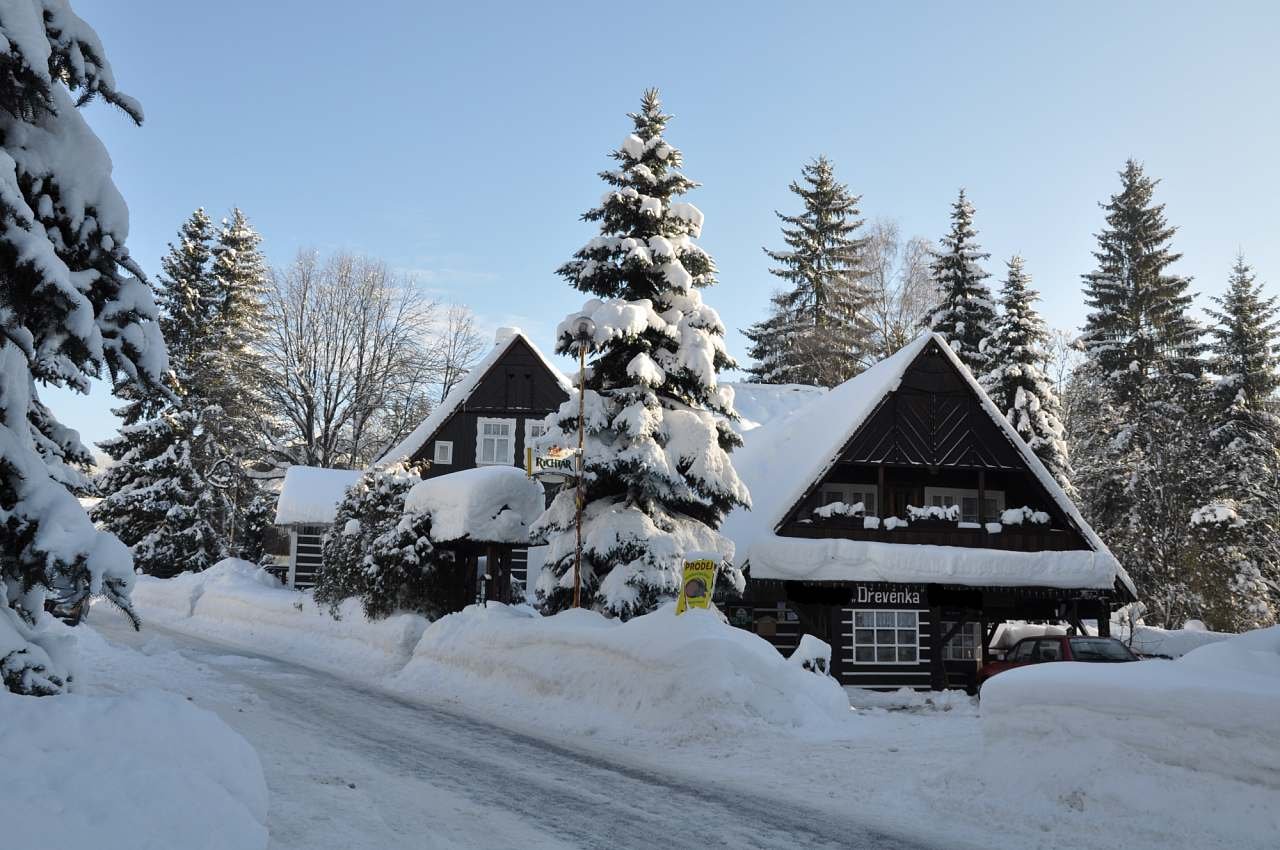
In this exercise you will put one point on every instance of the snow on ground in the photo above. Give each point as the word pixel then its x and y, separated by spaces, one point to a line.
pixel 691 700
pixel 138 770
pixel 1193 744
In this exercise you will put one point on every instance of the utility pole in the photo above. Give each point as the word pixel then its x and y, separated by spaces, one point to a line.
pixel 584 335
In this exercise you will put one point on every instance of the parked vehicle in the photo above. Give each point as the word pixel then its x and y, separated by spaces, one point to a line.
pixel 1037 650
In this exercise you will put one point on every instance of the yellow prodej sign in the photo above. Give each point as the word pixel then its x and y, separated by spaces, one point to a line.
pixel 696 586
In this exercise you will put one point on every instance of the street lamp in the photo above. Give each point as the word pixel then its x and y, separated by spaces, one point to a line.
pixel 584 335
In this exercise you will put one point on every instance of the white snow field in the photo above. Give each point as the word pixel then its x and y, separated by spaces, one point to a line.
pixel 143 769
pixel 496 728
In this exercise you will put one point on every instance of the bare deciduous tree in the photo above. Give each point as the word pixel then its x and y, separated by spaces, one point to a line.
pixel 354 355
pixel 903 286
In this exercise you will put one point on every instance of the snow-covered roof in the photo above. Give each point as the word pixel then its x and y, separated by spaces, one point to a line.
pixel 780 460
pixel 488 504
pixel 760 404
pixel 503 340
pixel 310 494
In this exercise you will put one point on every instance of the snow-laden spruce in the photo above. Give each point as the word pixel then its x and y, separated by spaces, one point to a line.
pixel 966 311
pixel 818 331
pixel 1016 382
pixel 73 306
pixel 1138 455
pixel 658 476
pixel 1239 524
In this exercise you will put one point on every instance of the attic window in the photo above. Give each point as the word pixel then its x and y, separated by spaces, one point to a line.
pixel 443 453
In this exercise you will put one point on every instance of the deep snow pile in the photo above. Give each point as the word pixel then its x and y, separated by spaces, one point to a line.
pixel 688 676
pixel 496 504
pixel 240 603
pixel 1156 740
pixel 165 774
pixel 691 675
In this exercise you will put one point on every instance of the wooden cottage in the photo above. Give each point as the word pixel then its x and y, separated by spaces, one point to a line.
pixel 485 420
pixel 900 518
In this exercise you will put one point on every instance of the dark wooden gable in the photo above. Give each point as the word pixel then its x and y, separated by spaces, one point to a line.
pixel 933 419
pixel 932 423
pixel 518 385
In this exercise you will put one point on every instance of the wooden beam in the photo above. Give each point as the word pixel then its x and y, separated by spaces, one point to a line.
pixel 881 496
pixel 937 670
pixel 982 498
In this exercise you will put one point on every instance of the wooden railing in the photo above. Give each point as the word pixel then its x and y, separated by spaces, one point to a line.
pixel 1027 538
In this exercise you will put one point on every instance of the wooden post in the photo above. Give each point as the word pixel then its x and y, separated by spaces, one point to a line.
pixel 982 498
pixel 1104 618
pixel 937 671
pixel 881 496
pixel 577 555
pixel 293 555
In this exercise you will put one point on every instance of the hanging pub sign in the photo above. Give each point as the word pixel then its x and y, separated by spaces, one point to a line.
pixel 551 462
pixel 696 585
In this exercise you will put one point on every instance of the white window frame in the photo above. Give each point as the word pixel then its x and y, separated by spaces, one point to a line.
pixel 447 459
pixel 965 645
pixel 957 495
pixel 509 458
pixel 905 620
pixel 850 494
pixel 529 436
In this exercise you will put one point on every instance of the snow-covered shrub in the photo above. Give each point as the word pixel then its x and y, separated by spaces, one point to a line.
pixel 935 513
pixel 73 306
pixel 813 654
pixel 374 553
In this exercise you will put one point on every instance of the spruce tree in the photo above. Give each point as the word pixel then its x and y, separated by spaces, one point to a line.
pixel 658 476
pixel 157 495
pixel 1239 525
pixel 1016 382
pixel 818 331
pixel 73 307
pixel 966 311
pixel 1140 457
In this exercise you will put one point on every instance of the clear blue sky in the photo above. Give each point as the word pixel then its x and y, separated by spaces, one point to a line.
pixel 462 140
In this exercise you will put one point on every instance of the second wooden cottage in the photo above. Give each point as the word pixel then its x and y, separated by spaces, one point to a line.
pixel 900 518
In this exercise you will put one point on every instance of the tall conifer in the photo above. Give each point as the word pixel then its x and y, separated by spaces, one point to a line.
pixel 965 314
pixel 1140 456
pixel 1017 383
pixel 658 476
pixel 1239 524
pixel 818 331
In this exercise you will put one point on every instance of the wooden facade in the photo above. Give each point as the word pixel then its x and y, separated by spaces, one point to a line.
pixel 930 441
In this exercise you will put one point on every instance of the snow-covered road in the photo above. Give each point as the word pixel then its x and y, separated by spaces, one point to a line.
pixel 354 768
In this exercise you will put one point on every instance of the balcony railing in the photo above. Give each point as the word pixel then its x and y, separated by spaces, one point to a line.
pixel 1015 538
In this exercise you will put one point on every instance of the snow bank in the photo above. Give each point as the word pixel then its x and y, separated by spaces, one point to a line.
pixel 240 603
pixel 690 676
pixel 146 771
pixel 310 494
pixel 494 504
pixel 1155 739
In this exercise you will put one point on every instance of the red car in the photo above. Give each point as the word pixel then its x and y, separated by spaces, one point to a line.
pixel 1035 650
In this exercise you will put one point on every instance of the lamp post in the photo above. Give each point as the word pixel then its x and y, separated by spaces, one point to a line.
pixel 584 334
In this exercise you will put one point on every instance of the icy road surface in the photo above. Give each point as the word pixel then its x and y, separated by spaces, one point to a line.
pixel 356 769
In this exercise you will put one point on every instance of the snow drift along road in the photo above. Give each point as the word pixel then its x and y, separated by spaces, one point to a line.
pixel 572 672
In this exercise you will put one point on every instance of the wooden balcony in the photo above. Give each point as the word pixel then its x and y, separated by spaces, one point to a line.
pixel 1026 538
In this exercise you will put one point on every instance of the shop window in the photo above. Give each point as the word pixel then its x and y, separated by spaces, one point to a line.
pixel 965 645
pixel 886 637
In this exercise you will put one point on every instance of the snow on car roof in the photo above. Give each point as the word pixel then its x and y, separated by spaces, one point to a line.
pixel 491 504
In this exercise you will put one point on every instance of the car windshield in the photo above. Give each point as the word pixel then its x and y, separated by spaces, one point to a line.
pixel 1100 649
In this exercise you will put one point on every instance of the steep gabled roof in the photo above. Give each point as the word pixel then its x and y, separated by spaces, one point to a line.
pixel 462 391
pixel 783 459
